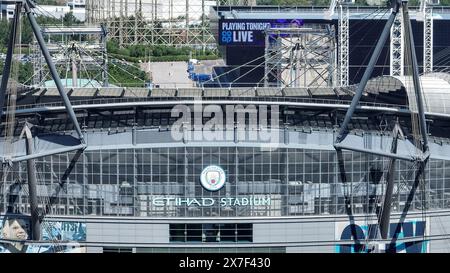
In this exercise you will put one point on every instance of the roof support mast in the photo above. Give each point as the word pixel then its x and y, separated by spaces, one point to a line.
pixel 9 56
pixel 37 32
pixel 32 181
pixel 409 46
pixel 410 57
pixel 367 73
pixel 384 219
pixel 385 215
pixel 28 4
pixel 32 186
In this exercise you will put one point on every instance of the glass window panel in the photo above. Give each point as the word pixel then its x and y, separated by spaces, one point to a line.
pixel 194 232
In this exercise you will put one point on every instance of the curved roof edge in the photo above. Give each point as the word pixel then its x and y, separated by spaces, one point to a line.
pixel 435 89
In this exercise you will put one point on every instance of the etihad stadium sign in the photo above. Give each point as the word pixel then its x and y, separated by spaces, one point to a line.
pixel 213 179
pixel 209 202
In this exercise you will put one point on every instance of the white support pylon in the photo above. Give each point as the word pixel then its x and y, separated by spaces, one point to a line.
pixel 425 14
pixel 397 46
pixel 343 47
pixel 428 40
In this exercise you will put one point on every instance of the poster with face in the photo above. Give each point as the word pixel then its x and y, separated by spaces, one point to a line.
pixel 62 236
pixel 15 229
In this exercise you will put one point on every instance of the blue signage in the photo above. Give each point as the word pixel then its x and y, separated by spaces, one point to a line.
pixel 366 232
pixel 250 32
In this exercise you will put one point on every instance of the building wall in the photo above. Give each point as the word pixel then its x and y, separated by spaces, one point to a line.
pixel 130 233
pixel 310 228
pixel 273 234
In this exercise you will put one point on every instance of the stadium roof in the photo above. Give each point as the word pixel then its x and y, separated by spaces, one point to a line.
pixel 80 82
pixel 435 87
pixel 392 93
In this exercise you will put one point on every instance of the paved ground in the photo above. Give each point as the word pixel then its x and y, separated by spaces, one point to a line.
pixel 205 67
pixel 169 74
pixel 174 74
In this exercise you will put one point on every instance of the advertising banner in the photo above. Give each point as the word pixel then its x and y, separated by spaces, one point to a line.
pixel 62 236
pixel 250 32
pixel 366 233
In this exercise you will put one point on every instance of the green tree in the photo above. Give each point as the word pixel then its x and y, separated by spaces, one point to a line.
pixel 70 20
pixel 25 71
pixel 46 2
pixel 4 34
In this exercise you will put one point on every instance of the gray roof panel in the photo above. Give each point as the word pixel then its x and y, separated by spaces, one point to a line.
pixel 243 92
pixel 157 92
pixel 136 92
pixel 296 92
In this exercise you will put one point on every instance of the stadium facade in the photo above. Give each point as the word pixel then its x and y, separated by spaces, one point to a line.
pixel 230 169
pixel 138 187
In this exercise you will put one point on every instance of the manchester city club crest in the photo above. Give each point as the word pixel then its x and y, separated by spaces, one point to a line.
pixel 213 178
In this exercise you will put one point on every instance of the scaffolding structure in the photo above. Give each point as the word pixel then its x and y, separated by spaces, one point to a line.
pixel 300 56
pixel 158 22
pixel 75 51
